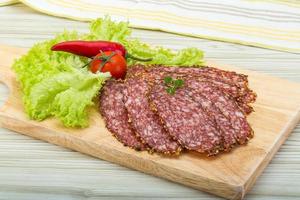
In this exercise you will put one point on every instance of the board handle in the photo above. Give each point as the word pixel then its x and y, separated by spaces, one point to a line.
pixel 6 76
pixel 8 54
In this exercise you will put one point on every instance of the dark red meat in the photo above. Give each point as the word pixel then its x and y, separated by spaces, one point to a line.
pixel 235 85
pixel 227 106
pixel 185 120
pixel 145 122
pixel 228 133
pixel 207 114
pixel 115 115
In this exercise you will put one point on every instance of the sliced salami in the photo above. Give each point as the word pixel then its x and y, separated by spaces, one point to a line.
pixel 227 106
pixel 146 123
pixel 208 113
pixel 228 133
pixel 135 71
pixel 232 78
pixel 224 80
pixel 115 115
pixel 231 82
pixel 185 120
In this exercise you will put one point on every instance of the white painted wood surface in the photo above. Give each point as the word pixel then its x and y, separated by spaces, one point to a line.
pixel 32 169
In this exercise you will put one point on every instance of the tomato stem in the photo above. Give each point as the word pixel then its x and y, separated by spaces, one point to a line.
pixel 105 59
pixel 88 63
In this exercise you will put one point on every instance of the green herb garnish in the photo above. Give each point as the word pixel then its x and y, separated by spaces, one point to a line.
pixel 172 84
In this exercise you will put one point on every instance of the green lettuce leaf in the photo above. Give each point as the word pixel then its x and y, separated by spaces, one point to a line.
pixel 66 96
pixel 160 55
pixel 106 29
pixel 54 84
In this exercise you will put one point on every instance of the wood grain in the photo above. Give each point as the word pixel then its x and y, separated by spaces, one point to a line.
pixel 277 113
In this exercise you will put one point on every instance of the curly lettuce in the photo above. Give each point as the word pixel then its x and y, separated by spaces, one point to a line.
pixel 55 85
pixel 66 96
pixel 106 29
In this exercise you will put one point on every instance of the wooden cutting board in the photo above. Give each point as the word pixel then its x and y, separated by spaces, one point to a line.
pixel 229 175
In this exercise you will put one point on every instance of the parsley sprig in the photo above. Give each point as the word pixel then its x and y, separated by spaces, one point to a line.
pixel 172 84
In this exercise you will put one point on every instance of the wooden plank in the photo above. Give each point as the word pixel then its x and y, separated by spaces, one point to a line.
pixel 276 115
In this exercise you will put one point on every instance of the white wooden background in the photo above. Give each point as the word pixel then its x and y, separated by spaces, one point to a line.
pixel 32 169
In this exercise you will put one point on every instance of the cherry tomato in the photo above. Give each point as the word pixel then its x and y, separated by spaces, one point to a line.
pixel 109 61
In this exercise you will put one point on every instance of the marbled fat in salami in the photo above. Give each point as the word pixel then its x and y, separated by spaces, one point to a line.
pixel 145 122
pixel 228 77
pixel 227 106
pixel 115 115
pixel 207 114
pixel 228 133
pixel 135 71
pixel 232 83
pixel 185 120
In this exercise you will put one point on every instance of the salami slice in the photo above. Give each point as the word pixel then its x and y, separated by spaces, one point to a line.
pixel 146 123
pixel 227 82
pixel 185 120
pixel 232 78
pixel 222 123
pixel 115 115
pixel 239 80
pixel 231 82
pixel 135 71
pixel 227 106
pixel 207 114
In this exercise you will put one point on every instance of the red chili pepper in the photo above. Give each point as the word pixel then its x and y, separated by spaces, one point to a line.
pixel 89 48
pixel 92 48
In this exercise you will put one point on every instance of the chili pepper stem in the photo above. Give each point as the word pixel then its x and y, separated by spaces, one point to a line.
pixel 107 58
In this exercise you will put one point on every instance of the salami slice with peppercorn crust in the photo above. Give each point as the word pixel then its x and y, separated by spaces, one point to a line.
pixel 232 83
pixel 115 115
pixel 232 78
pixel 145 122
pixel 226 105
pixel 185 120
pixel 228 133
pixel 236 85
pixel 136 71
pixel 170 108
